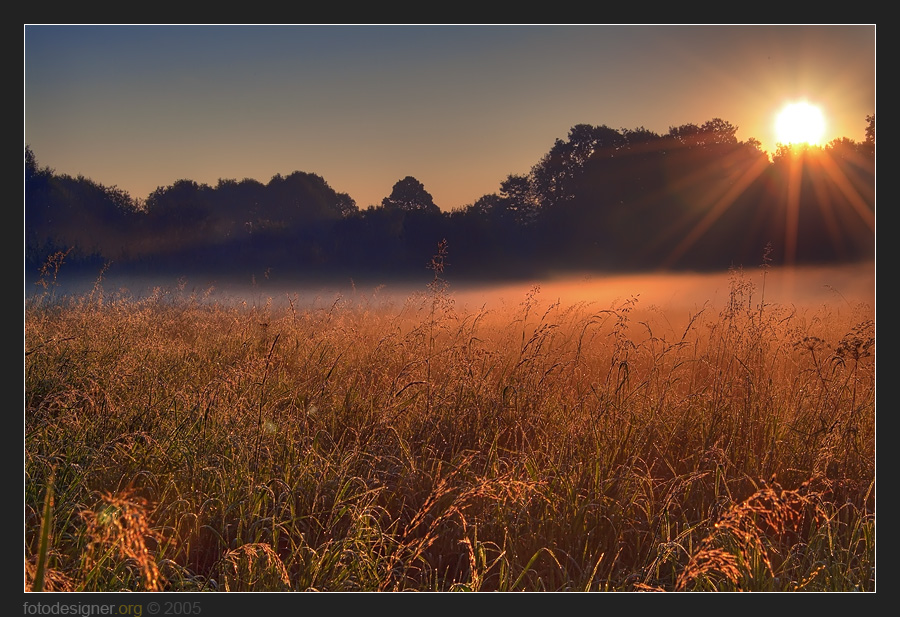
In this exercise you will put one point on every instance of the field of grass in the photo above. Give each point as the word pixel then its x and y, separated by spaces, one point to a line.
pixel 175 443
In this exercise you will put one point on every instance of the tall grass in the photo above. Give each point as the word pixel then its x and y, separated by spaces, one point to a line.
pixel 191 445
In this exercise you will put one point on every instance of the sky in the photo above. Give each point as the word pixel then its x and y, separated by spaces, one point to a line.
pixel 458 107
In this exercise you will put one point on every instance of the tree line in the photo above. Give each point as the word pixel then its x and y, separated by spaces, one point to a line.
pixel 602 200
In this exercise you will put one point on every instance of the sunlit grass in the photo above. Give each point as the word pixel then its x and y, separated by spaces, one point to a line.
pixel 196 445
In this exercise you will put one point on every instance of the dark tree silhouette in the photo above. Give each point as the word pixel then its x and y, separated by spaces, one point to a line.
pixel 410 195
pixel 519 200
pixel 179 214
pixel 718 131
pixel 301 198
pixel 604 199
pixel 64 212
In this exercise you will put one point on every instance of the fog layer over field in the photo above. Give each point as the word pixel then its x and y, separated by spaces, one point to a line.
pixel 850 284
pixel 834 286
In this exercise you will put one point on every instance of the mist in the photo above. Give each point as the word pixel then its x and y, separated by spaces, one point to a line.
pixel 851 284
pixel 847 285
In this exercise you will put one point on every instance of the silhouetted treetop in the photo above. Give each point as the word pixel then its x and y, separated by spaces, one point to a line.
pixel 639 135
pixel 303 196
pixel 712 132
pixel 409 195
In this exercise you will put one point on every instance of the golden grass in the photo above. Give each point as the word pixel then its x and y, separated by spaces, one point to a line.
pixel 195 445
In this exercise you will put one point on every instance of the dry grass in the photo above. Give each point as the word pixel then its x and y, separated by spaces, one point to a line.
pixel 195 445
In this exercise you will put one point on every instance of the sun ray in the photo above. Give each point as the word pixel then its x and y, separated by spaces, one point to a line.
pixel 717 208
pixel 792 212
pixel 849 191
pixel 844 206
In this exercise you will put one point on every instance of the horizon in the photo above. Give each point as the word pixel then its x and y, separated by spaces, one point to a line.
pixel 457 107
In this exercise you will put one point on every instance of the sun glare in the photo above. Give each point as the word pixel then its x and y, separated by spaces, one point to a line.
pixel 800 123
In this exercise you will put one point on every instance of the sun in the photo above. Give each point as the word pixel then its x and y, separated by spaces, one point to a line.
pixel 800 123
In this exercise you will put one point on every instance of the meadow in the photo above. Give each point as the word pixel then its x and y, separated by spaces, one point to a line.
pixel 177 442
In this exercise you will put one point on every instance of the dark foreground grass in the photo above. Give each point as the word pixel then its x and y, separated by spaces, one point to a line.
pixel 172 443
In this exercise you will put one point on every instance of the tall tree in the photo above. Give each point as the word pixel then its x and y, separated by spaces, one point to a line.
pixel 519 198
pixel 409 195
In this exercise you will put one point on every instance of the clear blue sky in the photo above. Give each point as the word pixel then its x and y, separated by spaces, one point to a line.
pixel 458 107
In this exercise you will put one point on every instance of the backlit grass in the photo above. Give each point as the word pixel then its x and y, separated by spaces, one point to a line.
pixel 193 445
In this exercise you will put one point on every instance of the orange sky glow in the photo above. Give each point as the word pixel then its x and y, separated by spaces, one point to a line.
pixel 457 107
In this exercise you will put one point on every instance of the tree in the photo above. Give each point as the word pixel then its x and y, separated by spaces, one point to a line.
pixel 754 143
pixel 712 132
pixel 179 214
pixel 33 171
pixel 870 130
pixel 409 195
pixel 718 131
pixel 586 141
pixel 345 205
pixel 519 198
pixel 686 134
pixel 638 136
pixel 37 184
pixel 488 206
pixel 302 198
pixel 184 202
